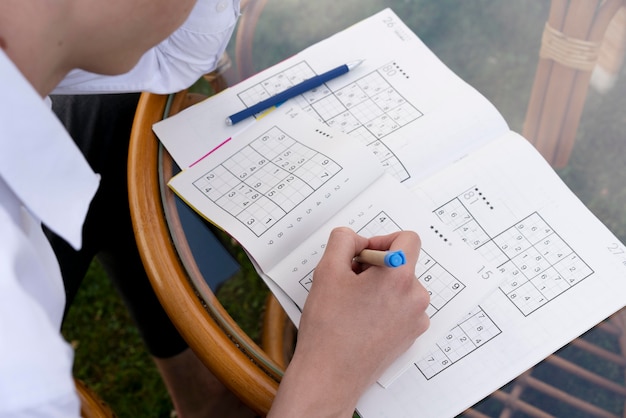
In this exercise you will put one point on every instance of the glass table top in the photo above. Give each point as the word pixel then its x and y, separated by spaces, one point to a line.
pixel 494 46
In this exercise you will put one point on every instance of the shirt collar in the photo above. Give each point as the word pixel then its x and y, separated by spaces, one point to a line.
pixel 38 159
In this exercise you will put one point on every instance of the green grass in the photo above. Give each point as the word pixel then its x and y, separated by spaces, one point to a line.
pixel 109 354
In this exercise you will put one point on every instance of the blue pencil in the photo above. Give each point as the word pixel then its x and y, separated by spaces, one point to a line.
pixel 294 91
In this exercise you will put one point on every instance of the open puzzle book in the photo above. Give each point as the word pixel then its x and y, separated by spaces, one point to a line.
pixel 516 265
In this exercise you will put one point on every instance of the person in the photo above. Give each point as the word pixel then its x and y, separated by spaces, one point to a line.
pixel 207 29
pixel 354 323
pixel 44 179
pixel 100 125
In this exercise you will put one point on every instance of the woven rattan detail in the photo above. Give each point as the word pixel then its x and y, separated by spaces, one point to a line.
pixel 571 52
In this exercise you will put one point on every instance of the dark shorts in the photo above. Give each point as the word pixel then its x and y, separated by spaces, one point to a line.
pixel 101 125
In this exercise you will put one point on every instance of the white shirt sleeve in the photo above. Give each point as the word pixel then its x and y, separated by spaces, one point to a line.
pixel 35 361
pixel 176 63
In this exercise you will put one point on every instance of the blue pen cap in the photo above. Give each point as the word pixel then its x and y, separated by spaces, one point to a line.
pixel 395 258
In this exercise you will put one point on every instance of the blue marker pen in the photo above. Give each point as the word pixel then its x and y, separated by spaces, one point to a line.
pixel 381 258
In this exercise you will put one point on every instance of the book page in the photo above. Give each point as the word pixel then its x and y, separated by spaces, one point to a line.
pixel 401 98
pixel 277 182
pixel 557 271
pixel 281 186
pixel 562 271
pixel 446 266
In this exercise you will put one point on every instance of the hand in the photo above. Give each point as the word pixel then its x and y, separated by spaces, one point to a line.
pixel 356 322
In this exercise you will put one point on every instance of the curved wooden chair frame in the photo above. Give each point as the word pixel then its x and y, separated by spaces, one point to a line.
pixel 202 321
pixel 91 406
pixel 247 370
pixel 221 344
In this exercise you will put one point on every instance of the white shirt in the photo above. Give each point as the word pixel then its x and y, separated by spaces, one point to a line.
pixel 191 51
pixel 45 179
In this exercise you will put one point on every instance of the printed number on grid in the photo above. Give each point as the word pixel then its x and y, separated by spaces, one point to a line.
pixel 369 108
pixel 538 265
pixel 440 284
pixel 266 179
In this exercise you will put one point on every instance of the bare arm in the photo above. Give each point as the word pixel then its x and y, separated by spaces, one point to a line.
pixel 354 325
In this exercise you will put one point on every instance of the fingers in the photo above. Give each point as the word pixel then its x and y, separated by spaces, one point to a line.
pixel 407 241
pixel 363 318
pixel 343 244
